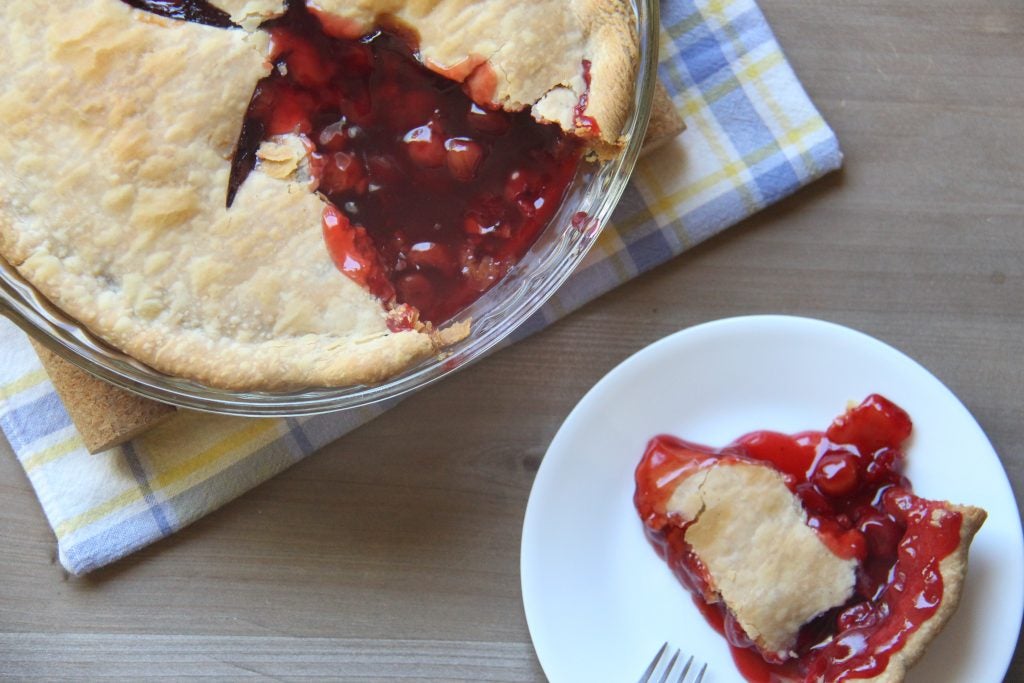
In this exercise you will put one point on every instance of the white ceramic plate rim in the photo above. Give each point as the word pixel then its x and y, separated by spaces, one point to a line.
pixel 598 602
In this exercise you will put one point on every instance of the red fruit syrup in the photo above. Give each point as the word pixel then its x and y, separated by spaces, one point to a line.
pixel 848 480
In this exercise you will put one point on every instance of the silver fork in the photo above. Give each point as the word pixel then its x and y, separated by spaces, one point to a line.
pixel 668 670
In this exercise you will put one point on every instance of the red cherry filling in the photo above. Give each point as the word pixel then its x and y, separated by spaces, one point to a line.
pixel 848 480
pixel 581 120
pixel 447 194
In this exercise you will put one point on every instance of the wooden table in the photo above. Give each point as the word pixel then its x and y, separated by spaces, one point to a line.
pixel 395 552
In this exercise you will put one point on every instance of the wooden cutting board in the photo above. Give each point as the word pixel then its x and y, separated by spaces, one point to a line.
pixel 107 416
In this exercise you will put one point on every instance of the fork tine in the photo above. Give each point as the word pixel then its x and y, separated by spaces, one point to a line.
pixel 686 670
pixel 668 669
pixel 667 675
pixel 646 677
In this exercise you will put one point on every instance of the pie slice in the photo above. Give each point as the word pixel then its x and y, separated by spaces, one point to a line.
pixel 809 552
pixel 258 195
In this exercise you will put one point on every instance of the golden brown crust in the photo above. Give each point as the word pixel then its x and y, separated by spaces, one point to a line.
pixel 614 54
pixel 772 571
pixel 249 14
pixel 743 514
pixel 954 570
pixel 112 205
pixel 536 50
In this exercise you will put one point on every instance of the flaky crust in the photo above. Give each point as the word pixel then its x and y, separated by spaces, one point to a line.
pixel 954 571
pixel 116 133
pixel 536 50
pixel 249 14
pixel 740 512
pixel 764 562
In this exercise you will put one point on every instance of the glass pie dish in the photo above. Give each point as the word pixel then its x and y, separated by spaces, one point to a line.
pixel 588 205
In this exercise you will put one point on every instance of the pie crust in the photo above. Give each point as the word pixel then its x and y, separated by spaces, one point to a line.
pixel 810 552
pixel 771 594
pixel 118 129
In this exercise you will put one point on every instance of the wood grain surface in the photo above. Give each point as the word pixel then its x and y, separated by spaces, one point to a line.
pixel 394 553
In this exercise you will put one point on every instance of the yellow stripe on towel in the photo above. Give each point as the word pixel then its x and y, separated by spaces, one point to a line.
pixel 244 437
pixel 26 381
pixel 53 452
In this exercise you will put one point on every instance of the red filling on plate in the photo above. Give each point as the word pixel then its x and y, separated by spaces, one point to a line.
pixel 848 481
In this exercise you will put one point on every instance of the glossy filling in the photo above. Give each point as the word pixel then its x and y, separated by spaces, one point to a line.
pixel 849 483
pixel 433 198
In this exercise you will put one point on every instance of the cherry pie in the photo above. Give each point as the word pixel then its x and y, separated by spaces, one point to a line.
pixel 260 194
pixel 809 552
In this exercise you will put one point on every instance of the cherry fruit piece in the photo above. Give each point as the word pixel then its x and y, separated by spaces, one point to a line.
pixel 882 532
pixel 342 172
pixel 463 157
pixel 433 256
pixel 837 474
pixel 876 423
pixel 489 121
pixel 425 145
pixel 415 289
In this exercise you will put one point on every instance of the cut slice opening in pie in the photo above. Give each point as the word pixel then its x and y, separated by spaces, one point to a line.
pixel 263 195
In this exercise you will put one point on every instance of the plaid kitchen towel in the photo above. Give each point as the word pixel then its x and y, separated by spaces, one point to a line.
pixel 753 137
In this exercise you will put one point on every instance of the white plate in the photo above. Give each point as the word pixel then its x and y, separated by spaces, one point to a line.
pixel 598 600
